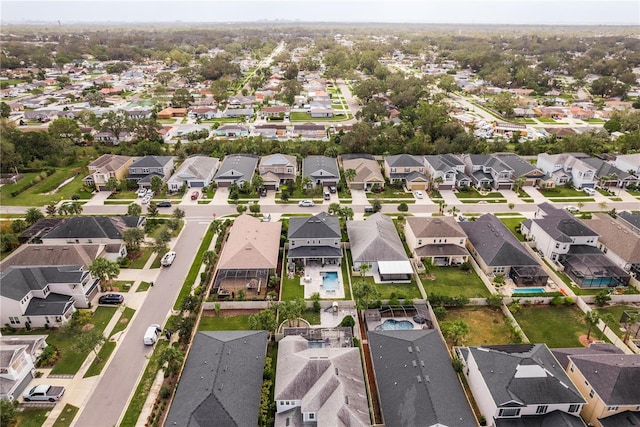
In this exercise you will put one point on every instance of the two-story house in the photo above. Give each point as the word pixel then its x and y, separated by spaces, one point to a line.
pixel 566 240
pixel 445 171
pixel 609 175
pixel 18 355
pixel 106 167
pixel 519 381
pixel 487 171
pixel 439 239
pixel 276 169
pixel 367 171
pixel 195 172
pixel 522 169
pixel 315 238
pixel 568 167
pixel 629 163
pixel 406 169
pixel 236 169
pixel 142 170
pixel 498 252
pixel 321 170
pixel 617 241
pixel 609 381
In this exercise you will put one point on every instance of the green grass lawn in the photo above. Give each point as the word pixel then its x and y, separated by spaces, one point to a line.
pixel 561 192
pixel 452 281
pixel 513 224
pixel 143 287
pixel 487 326
pixel 390 193
pixel 555 326
pixel 474 194
pixel 124 321
pixel 617 311
pixel 142 259
pixel 66 416
pixel 401 290
pixel 571 199
pixel 71 359
pixel 32 417
pixel 224 323
pixel 304 117
pixel 99 362
pixel 312 317
pixel 120 286
pixel 34 196
pixel 291 289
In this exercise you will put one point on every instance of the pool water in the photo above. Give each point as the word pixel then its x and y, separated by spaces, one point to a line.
pixel 394 325
pixel 528 291
pixel 330 281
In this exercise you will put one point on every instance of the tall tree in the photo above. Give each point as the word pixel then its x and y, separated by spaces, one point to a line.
pixel 134 209
pixel 133 238
pixel 33 215
pixel 365 294
pixel 591 318
pixel 171 359
pixel 182 98
pixel 116 122
pixel 104 269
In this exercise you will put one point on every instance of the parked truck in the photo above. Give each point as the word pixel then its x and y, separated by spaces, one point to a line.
pixel 43 392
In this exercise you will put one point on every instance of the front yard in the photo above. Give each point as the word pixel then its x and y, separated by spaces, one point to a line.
pixel 453 282
pixel 474 194
pixel 562 192
pixel 558 327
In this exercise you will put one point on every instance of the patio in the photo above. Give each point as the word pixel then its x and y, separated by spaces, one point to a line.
pixel 313 281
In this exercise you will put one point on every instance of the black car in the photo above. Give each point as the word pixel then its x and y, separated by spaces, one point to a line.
pixel 164 204
pixel 111 299
pixel 263 192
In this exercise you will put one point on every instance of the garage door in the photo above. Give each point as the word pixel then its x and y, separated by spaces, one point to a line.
pixel 198 184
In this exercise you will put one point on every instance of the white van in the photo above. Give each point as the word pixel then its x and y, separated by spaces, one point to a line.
pixel 151 335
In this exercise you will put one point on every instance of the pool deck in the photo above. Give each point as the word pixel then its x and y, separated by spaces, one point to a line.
pixel 315 283
pixel 373 325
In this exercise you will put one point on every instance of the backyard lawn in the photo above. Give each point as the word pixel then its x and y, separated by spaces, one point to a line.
pixel 486 326
pixel 512 224
pixel 555 326
pixel 616 311
pixel 291 289
pixel 224 323
pixel 452 281
pixel 401 290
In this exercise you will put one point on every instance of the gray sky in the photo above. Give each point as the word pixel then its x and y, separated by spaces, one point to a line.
pixel 547 12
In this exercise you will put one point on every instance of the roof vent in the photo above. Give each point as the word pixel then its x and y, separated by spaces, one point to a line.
pixel 419 378
pixel 410 349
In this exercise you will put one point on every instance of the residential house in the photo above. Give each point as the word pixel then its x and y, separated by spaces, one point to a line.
pixel 241 101
pixel 631 220
pixel 310 131
pixel 236 169
pixel 103 230
pixel 231 130
pixel 367 171
pixel 276 169
pixel 321 170
pixel 375 242
pixel 521 385
pixel 629 163
pixel 609 175
pixel 321 112
pixel 415 381
pixel 498 252
pixel 106 167
pixel 487 171
pixel 406 169
pixel 609 381
pixel 568 168
pixel 617 241
pixel 221 380
pixel 18 355
pixel 205 112
pixel 238 113
pixel 42 295
pixel 439 239
pixel 195 172
pixel 281 111
pixel 522 169
pixel 143 169
pixel 315 238
pixel 564 239
pixel 251 252
pixel 271 130
pixel 27 255
pixel 171 112
pixel 445 171
pixel 319 386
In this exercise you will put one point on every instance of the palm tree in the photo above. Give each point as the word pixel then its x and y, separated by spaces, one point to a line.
pixel 632 318
pixel 453 211
pixel 349 174
pixel 364 269
pixel 603 205
pixel 592 318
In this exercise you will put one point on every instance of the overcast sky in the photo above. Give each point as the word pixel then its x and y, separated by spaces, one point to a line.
pixel 547 12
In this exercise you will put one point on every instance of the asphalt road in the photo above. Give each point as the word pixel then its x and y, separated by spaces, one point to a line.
pixel 118 382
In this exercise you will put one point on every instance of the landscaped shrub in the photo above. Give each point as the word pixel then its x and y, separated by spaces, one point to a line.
pixel 557 301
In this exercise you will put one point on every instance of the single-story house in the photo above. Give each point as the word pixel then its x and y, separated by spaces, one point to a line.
pixel 196 171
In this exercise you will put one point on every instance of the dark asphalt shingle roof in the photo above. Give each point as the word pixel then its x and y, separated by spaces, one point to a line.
pixel 615 377
pixel 561 225
pixel 93 227
pixel 375 239
pixel 632 218
pixel 237 167
pixel 495 243
pixel 221 381
pixel 52 305
pixel 320 226
pixel 562 354
pixel 17 282
pixel 151 162
pixel 406 401
pixel 404 161
pixel 621 419
pixel 551 419
pixel 320 167
pixel 523 374
pixel 519 165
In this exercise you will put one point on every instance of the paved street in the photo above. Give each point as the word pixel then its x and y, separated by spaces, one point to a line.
pixel 119 379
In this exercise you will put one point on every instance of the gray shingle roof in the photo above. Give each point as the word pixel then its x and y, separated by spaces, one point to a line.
pixel 19 281
pixel 632 218
pixel 320 167
pixel 404 161
pixel 320 226
pixel 375 239
pixel 603 168
pixel 519 165
pixel 196 167
pixel 151 162
pixel 92 227
pixel 435 227
pixel 523 374
pixel 237 167
pixel 52 305
pixel 416 382
pixel 221 380
pixel 621 419
pixel 550 419
pixel 495 243
pixel 615 377
pixel 51 255
pixel 561 225
pixel 562 354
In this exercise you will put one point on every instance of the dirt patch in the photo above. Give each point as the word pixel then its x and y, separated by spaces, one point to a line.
pixel 88 327
pixel 124 320
pixel 584 341
pixel 229 313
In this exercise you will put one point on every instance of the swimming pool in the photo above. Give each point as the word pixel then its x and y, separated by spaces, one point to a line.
pixel 330 281
pixel 394 325
pixel 528 291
